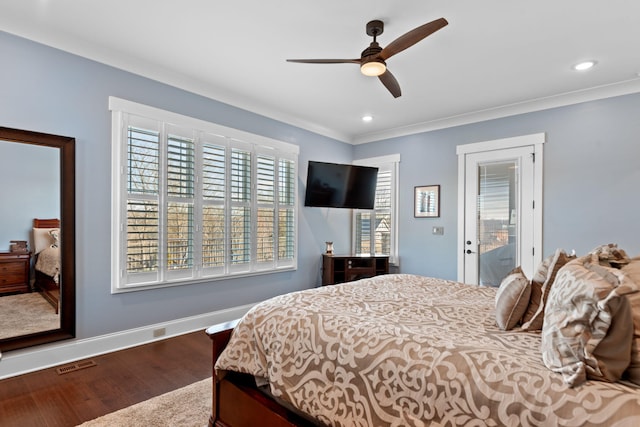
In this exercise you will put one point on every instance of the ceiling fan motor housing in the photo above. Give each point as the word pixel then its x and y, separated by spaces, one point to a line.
pixel 370 54
pixel 375 28
pixel 373 50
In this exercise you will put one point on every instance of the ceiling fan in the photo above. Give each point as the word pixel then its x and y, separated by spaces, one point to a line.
pixel 373 59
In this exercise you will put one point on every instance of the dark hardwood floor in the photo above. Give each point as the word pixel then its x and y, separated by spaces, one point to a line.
pixel 119 379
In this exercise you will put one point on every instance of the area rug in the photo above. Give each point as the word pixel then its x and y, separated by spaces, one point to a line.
pixel 189 406
pixel 26 313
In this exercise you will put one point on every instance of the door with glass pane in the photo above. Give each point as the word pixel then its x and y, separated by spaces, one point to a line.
pixel 499 214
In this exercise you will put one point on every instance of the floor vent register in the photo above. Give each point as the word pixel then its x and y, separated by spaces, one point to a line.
pixel 75 366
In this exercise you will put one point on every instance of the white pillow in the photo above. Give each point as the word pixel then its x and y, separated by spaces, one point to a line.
pixel 55 236
pixel 42 238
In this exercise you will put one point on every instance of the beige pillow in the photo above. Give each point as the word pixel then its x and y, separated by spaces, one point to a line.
pixel 512 299
pixel 55 237
pixel 42 238
pixel 613 353
pixel 541 283
pixel 632 270
pixel 586 331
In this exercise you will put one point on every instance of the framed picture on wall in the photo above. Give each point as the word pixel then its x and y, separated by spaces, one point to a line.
pixel 426 201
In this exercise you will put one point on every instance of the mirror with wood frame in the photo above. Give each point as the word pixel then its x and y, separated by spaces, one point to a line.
pixel 37 238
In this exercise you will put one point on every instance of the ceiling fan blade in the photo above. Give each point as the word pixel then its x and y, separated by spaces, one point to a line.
pixel 325 61
pixel 412 37
pixel 390 82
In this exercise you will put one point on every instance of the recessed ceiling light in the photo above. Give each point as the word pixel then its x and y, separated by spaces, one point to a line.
pixel 583 66
pixel 367 118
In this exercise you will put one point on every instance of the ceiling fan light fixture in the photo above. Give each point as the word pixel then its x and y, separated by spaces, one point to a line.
pixel 373 68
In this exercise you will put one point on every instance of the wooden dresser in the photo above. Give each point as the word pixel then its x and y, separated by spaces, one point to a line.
pixel 347 268
pixel 14 272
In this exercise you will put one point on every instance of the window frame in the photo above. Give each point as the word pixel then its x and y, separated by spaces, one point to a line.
pixel 285 159
pixel 392 163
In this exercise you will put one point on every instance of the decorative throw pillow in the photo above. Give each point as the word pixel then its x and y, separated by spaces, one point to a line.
pixel 55 236
pixel 512 299
pixel 586 331
pixel 613 353
pixel 541 283
pixel 42 238
pixel 632 271
pixel 610 255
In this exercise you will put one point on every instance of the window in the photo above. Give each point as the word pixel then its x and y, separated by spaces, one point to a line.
pixel 375 232
pixel 195 201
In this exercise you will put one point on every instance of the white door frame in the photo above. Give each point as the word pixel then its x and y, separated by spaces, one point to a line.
pixel 535 141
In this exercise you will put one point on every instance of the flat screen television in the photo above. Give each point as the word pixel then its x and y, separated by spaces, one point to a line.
pixel 334 185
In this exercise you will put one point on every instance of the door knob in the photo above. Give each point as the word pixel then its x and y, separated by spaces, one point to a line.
pixel 469 251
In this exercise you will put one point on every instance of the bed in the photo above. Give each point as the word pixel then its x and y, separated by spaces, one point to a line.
pixel 402 350
pixel 46 246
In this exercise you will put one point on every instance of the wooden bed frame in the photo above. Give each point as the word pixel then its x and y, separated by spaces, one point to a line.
pixel 43 283
pixel 236 401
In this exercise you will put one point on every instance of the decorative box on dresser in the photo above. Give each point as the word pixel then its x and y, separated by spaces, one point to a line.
pixel 14 272
pixel 347 268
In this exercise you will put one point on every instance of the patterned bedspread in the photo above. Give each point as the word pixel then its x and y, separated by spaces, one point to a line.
pixel 49 262
pixel 404 350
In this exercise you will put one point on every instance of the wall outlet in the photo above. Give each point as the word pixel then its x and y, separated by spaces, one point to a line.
pixel 438 231
pixel 159 332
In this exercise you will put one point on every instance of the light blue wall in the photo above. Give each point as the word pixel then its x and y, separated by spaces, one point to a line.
pixel 591 179
pixel 31 189
pixel 47 90
pixel 591 171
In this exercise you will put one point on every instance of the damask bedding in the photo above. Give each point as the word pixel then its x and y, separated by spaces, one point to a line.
pixel 48 262
pixel 405 350
pixel 46 243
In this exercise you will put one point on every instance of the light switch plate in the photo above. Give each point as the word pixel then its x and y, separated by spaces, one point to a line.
pixel 438 231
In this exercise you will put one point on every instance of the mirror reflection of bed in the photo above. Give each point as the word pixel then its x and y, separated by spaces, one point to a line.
pixel 29 301
pixel 47 241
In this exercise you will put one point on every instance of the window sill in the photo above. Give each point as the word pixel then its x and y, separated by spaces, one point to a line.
pixel 210 279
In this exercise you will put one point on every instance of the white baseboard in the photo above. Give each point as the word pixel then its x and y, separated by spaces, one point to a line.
pixel 18 362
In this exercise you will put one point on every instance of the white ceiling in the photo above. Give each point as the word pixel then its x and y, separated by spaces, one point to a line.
pixel 495 58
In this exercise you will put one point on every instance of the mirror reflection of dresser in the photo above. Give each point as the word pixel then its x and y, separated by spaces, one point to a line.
pixel 14 272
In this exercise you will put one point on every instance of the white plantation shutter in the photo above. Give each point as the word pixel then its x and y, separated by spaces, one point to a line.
pixel 286 211
pixel 213 206
pixel 240 210
pixel 375 231
pixel 180 204
pixel 265 197
pixel 191 204
pixel 275 204
pixel 143 195
pixel 383 206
